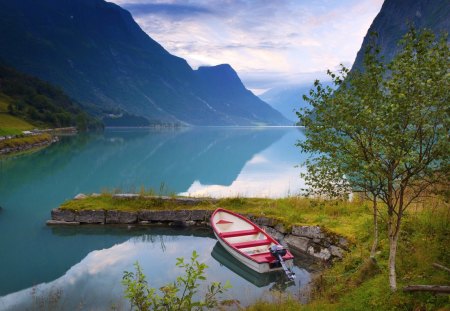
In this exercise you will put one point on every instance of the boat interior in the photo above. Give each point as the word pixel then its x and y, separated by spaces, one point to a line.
pixel 243 236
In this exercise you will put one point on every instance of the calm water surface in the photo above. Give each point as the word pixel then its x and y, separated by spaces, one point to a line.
pixel 82 267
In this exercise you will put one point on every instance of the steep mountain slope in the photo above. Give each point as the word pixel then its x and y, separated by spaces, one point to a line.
pixel 392 23
pixel 226 95
pixel 97 53
pixel 288 99
pixel 25 99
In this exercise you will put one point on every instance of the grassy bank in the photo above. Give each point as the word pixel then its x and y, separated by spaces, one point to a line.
pixel 340 217
pixel 11 125
pixel 355 283
pixel 19 142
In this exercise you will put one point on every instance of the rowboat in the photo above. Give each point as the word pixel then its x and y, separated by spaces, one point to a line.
pixel 250 244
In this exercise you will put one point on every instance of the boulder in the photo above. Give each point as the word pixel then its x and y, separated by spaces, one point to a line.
pixel 80 196
pixel 63 215
pixel 121 217
pixel 280 228
pixel 164 215
pixel 297 243
pixel 90 216
pixel 343 242
pixel 319 252
pixel 197 215
pixel 274 233
pixel 312 232
pixel 261 220
pixel 125 195
pixel 336 251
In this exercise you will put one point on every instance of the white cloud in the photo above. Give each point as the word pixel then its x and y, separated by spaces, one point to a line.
pixel 278 41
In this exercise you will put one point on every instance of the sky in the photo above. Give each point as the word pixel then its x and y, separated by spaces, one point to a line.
pixel 269 43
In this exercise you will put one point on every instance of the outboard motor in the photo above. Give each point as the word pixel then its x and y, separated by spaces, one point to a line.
pixel 278 252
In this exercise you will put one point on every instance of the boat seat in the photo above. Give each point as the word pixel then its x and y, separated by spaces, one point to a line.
pixel 252 243
pixel 263 257
pixel 223 222
pixel 232 234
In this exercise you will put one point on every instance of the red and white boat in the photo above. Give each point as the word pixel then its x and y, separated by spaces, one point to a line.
pixel 250 244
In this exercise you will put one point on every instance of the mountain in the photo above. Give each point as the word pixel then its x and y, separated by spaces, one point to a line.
pixel 391 23
pixel 24 98
pixel 289 99
pixel 97 53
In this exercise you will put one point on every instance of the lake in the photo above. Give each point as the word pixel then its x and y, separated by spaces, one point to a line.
pixel 81 267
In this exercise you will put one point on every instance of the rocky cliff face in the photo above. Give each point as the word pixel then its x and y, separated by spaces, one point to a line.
pixel 96 52
pixel 392 23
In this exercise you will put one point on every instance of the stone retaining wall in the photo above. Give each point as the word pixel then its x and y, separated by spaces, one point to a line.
pixel 310 240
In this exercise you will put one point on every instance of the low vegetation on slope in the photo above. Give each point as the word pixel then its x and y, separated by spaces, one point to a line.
pixel 25 100
pixel 356 282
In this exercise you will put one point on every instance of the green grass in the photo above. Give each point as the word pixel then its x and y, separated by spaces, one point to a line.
pixel 339 217
pixel 355 283
pixel 27 140
pixel 11 125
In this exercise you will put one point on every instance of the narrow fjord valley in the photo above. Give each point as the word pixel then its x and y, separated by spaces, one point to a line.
pixel 125 124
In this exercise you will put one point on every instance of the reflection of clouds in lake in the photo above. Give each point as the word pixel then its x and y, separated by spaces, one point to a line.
pixel 95 282
pixel 271 173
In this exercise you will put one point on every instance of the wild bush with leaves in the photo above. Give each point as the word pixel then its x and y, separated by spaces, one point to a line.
pixel 179 295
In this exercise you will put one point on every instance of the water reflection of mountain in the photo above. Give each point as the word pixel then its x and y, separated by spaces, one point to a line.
pixel 127 159
pixel 33 184
pixel 210 155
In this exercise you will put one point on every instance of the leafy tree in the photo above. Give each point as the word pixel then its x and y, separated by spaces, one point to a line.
pixel 143 298
pixel 385 130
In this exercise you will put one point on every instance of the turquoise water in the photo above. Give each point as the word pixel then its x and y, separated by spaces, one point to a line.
pixel 82 266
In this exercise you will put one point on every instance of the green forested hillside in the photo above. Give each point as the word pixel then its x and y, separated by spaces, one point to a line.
pixel 27 102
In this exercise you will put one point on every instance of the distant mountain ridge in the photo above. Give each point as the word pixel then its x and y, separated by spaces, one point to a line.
pixel 391 23
pixel 97 53
pixel 288 99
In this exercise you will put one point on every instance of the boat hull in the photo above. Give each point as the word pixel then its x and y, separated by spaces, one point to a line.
pixel 258 267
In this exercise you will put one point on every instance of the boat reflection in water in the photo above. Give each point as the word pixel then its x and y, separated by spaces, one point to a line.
pixel 276 278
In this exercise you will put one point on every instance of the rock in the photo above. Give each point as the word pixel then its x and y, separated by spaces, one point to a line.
pixel 280 228
pixel 313 232
pixel 125 195
pixel 95 195
pixel 164 215
pixel 336 251
pixel 343 242
pixel 319 252
pixel 60 222
pixel 63 215
pixel 198 215
pixel 80 196
pixel 264 221
pixel 274 233
pixel 90 216
pixel 297 243
pixel 121 217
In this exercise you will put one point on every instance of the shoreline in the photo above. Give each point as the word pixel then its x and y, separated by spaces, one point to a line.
pixel 311 240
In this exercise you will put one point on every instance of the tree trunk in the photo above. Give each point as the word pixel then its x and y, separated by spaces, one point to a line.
pixel 392 256
pixel 394 232
pixel 375 228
